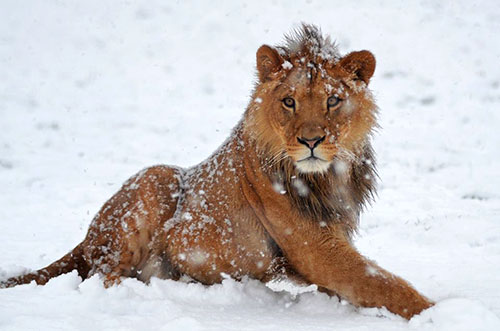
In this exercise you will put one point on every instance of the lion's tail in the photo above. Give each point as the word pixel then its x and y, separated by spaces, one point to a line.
pixel 69 262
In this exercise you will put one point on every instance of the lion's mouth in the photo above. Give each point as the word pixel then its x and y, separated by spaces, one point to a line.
pixel 311 158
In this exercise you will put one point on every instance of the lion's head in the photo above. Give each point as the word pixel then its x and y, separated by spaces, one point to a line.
pixel 311 105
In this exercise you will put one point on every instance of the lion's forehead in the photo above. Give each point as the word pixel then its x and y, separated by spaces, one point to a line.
pixel 311 78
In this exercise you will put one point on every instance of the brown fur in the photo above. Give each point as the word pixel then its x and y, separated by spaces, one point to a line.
pixel 257 206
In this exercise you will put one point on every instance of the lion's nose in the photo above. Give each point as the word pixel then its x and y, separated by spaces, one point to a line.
pixel 311 143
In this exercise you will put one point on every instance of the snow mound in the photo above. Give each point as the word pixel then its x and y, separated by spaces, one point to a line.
pixel 456 314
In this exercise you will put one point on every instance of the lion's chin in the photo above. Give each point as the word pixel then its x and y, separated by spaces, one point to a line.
pixel 312 165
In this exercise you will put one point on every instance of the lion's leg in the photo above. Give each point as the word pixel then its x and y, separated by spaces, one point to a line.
pixel 119 240
pixel 366 284
pixel 325 256
pixel 329 260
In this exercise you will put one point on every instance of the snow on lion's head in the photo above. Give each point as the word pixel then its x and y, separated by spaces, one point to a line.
pixel 311 106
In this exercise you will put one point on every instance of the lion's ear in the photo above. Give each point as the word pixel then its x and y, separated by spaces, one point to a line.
pixel 361 64
pixel 268 61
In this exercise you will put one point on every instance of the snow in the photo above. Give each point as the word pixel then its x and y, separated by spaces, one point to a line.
pixel 286 65
pixel 91 92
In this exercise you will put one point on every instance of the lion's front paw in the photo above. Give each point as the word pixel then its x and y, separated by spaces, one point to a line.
pixel 414 306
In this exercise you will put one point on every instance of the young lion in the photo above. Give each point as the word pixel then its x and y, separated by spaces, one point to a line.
pixel 282 196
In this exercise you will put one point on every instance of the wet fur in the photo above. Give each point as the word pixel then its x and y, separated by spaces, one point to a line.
pixel 249 210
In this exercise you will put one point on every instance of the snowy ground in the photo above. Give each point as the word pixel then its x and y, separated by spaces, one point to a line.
pixel 93 91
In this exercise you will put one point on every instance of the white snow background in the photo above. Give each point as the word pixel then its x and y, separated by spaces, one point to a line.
pixel 91 92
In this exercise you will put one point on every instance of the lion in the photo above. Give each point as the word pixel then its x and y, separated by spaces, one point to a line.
pixel 280 198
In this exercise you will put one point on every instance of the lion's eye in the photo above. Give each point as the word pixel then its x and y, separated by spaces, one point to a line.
pixel 288 102
pixel 332 102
